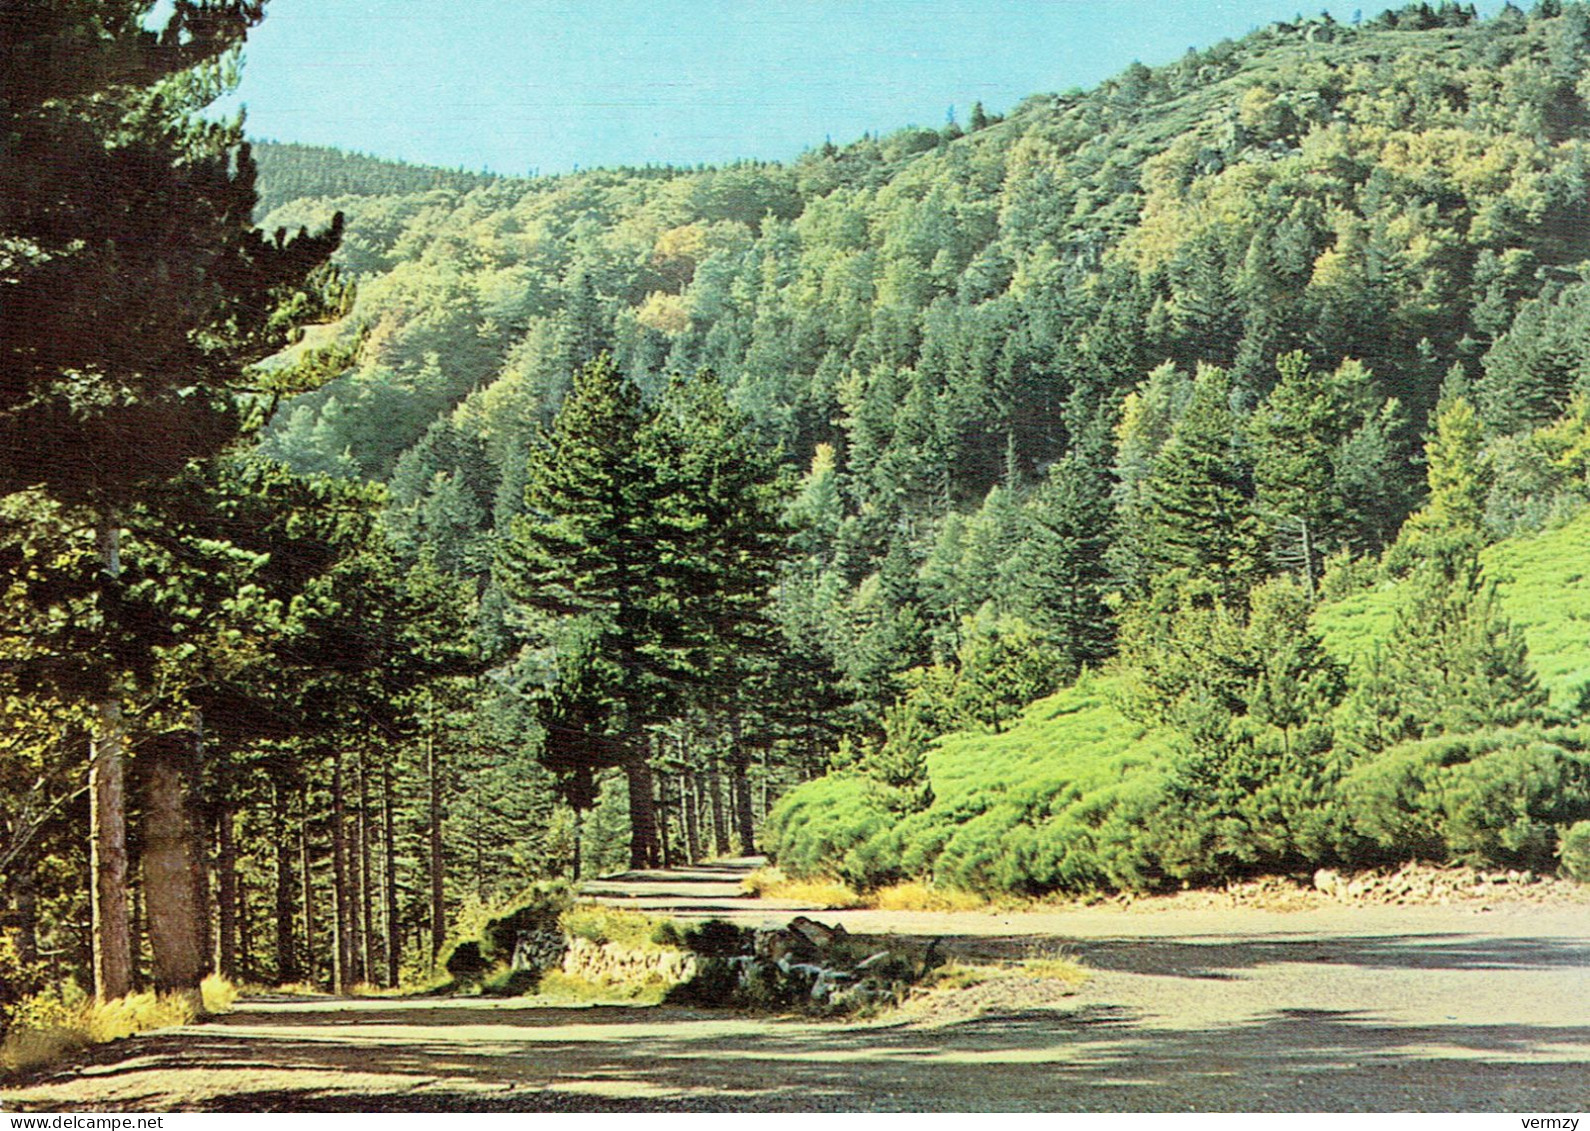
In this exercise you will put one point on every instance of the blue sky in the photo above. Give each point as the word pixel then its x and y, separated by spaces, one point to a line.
pixel 547 85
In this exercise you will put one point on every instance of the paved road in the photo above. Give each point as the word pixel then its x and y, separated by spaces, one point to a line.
pixel 1342 1009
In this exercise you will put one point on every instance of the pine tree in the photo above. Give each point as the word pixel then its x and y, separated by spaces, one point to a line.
pixel 109 390
pixel 1199 515
pixel 1538 364
pixel 587 546
pixel 1060 577
pixel 1458 480
pixel 1451 662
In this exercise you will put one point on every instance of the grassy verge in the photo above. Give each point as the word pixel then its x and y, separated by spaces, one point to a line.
pixel 617 926
pixel 829 895
pixel 50 1026
pixel 567 989
pixel 836 895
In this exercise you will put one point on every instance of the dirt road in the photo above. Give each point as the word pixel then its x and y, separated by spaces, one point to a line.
pixel 1336 1009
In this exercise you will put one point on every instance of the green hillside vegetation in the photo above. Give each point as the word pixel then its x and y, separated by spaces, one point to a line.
pixel 1070 798
pixel 1194 324
pixel 289 171
pixel 1161 483
pixel 1541 581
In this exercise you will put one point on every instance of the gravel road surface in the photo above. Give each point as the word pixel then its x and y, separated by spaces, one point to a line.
pixel 1432 1008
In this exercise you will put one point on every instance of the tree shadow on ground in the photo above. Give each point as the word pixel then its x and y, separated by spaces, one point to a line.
pixel 1088 1058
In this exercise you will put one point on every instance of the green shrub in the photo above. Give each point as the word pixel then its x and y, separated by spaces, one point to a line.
pixel 1493 797
pixel 466 964
pixel 715 985
pixel 1574 851
pixel 632 930
pixel 813 827
pixel 539 908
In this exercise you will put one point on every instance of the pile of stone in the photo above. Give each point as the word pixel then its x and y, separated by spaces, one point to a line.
pixel 1414 883
pixel 539 948
pixel 809 966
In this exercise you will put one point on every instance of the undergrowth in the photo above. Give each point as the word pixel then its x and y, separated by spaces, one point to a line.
pixel 50 1026
pixel 830 895
pixel 632 930
pixel 915 895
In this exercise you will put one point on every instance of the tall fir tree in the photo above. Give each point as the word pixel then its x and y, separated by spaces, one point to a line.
pixel 109 176
pixel 1060 577
pixel 721 540
pixel 587 546
pixel 1199 514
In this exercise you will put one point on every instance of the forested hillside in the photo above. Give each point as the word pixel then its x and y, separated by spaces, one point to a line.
pixel 290 172
pixel 1109 494
pixel 1199 318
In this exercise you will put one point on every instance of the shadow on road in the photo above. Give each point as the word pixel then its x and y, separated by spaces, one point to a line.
pixel 1096 1058
pixel 1127 1047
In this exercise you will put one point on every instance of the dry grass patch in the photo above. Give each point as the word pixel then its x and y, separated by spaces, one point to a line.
pixel 49 1027
pixel 24 1050
pixel 294 989
pixel 218 993
pixel 958 976
pixel 957 992
pixel 135 1013
pixel 1059 969
pixel 917 896
pixel 828 895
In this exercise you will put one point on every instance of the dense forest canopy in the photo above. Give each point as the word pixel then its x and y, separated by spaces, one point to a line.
pixel 1002 504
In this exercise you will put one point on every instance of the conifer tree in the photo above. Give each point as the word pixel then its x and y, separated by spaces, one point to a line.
pixel 1451 663
pixel 135 293
pixel 720 541
pixel 1060 576
pixel 1457 476
pixel 1200 509
pixel 1322 469
pixel 587 547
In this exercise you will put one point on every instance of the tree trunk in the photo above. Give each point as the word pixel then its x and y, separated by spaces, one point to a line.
pixel 108 856
pixel 342 917
pixel 353 829
pixel 245 934
pixel 688 792
pixel 720 827
pixel 307 878
pixel 286 941
pixel 662 821
pixel 200 818
pixel 1308 561
pixel 740 788
pixel 642 813
pixel 177 932
pixel 366 878
pixel 225 874
pixel 579 824
pixel 135 918
pixel 433 777
pixel 394 938
pixel 107 820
